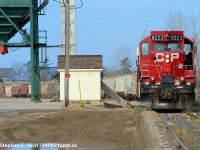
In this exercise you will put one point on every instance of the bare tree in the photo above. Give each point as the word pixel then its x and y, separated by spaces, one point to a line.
pixel 110 72
pixel 19 68
pixel 120 54
pixel 194 28
pixel 177 21
pixel 191 26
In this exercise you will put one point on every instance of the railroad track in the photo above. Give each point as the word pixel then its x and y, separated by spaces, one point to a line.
pixel 193 115
pixel 174 137
pixel 183 128
pixel 178 143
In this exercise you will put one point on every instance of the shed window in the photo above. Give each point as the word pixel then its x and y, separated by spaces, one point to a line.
pixel 145 49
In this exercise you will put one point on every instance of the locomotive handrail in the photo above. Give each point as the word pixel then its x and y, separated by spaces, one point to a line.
pixel 186 66
pixel 151 65
pixel 191 68
pixel 149 69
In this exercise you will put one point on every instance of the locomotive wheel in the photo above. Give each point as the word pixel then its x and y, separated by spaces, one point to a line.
pixel 145 101
pixel 189 102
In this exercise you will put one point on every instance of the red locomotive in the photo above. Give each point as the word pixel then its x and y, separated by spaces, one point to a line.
pixel 166 69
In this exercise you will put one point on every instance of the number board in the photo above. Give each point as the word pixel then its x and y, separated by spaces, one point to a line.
pixel 157 37
pixel 176 37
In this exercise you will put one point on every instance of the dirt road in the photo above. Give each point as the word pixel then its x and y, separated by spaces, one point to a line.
pixel 89 129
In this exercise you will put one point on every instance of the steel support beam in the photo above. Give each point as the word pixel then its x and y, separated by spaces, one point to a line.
pixel 35 69
pixel 14 25
pixel 44 4
pixel 15 44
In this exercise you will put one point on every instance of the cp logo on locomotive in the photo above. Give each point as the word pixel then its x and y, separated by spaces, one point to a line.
pixel 160 57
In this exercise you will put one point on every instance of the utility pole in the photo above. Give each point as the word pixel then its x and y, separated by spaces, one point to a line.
pixel 67 48
pixel 72 27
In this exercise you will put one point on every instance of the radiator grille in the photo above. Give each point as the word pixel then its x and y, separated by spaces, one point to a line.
pixel 167 79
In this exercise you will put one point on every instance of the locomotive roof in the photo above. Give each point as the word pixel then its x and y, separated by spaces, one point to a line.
pixel 185 37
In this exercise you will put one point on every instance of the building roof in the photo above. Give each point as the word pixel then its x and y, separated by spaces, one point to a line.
pixel 46 74
pixel 50 70
pixel 6 72
pixel 81 62
pixel 18 78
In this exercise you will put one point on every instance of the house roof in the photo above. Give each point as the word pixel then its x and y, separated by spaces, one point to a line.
pixel 19 78
pixel 81 62
pixel 6 72
pixel 50 70
pixel 46 74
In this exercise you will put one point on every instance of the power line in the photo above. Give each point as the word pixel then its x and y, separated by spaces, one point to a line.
pixel 80 5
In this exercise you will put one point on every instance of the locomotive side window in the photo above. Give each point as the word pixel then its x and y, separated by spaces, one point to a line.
pixel 158 46
pixel 174 46
pixel 145 49
pixel 187 49
pixel 188 56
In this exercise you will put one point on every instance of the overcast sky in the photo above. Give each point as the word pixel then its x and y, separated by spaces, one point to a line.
pixel 105 25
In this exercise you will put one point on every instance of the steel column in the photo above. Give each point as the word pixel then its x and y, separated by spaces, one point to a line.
pixel 35 69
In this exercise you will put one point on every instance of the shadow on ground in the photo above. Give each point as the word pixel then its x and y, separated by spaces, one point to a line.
pixel 109 105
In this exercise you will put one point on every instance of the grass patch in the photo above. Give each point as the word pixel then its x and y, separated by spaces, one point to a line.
pixel 88 102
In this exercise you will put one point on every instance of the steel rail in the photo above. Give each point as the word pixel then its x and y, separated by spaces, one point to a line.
pixel 179 143
pixel 193 115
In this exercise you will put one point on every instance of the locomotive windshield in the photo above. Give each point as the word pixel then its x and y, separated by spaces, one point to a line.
pixel 174 46
pixel 158 46
pixel 163 46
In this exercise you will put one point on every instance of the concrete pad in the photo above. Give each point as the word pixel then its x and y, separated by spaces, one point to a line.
pixel 24 104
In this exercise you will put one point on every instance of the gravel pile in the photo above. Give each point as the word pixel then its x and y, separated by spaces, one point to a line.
pixel 187 128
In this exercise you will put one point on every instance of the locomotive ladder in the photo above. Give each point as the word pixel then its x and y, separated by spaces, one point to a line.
pixel 144 72
pixel 114 95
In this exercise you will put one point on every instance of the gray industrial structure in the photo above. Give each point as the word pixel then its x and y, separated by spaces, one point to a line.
pixel 72 27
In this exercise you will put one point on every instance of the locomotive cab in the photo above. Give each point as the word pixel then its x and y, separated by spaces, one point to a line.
pixel 166 70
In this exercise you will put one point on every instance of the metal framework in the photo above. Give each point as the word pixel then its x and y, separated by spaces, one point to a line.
pixel 13 16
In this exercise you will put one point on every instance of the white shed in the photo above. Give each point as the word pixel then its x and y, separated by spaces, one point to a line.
pixel 85 77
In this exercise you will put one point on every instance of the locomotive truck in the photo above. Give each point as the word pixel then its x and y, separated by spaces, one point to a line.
pixel 166 70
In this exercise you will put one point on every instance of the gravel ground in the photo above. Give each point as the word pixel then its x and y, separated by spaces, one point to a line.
pixel 158 130
pixel 91 127
pixel 187 128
